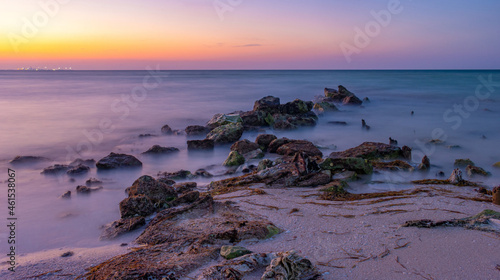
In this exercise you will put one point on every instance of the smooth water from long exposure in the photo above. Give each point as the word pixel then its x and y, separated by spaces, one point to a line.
pixel 69 114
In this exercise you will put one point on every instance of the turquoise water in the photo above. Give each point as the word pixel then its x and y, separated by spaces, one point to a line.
pixel 64 115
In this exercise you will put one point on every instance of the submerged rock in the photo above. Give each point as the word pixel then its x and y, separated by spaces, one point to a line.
pixel 425 165
pixel 113 161
pixel 66 195
pixel 157 150
pixel 28 160
pixel 86 190
pixel 166 129
pixel 475 170
pixel 55 169
pixel 370 151
pixel 206 144
pixel 226 133
pixel 463 162
pixel 78 170
pixel 234 159
pixel 92 181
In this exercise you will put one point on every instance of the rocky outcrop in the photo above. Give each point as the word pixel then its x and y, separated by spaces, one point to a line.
pixel 337 165
pixel 121 226
pixel 371 151
pixel 137 205
pixel 166 129
pixel 463 162
pixel 228 133
pixel 295 146
pixel 475 170
pixel 342 95
pixel 156 191
pixel 263 140
pixel 426 164
pixel 113 161
pixel 268 104
pixel 205 144
pixel 183 239
pixel 223 119
pixel 159 150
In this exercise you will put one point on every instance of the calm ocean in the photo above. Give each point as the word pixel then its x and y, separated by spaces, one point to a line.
pixel 63 115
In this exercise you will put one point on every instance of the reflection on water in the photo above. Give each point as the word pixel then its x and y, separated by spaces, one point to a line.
pixel 56 114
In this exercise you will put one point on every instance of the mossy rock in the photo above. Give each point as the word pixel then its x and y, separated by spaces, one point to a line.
pixel 234 159
pixel 358 165
pixel 272 231
pixel 325 106
pixel 231 252
pixel 463 162
pixel 269 119
pixel 497 165
pixel 488 213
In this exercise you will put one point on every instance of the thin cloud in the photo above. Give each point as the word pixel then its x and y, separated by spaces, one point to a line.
pixel 249 45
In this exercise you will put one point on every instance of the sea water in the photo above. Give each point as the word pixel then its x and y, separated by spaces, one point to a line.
pixel 63 115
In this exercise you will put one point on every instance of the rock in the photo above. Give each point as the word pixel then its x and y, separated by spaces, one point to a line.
pixel 234 159
pixel 283 124
pixel 436 141
pixel 263 140
pixel 66 195
pixel 366 100
pixel 296 107
pixel 456 177
pixel 347 176
pixel 338 123
pixel 67 254
pixel 497 165
pixel 27 160
pixel 393 142
pixel 290 265
pixel 268 104
pixel 178 175
pixel 203 173
pixel 79 161
pixel 351 100
pixel 296 146
pixel 78 170
pixel 337 165
pixel 265 163
pixel 395 165
pixel 122 226
pixel 370 151
pixel 255 154
pixel 406 152
pixel 226 133
pixel 137 205
pixel 312 180
pixel 496 195
pixel 167 130
pixel 206 144
pixel 188 197
pixel 463 162
pixel 425 165
pixel 55 169
pixel 147 135
pixel 335 190
pixel 325 107
pixel 255 119
pixel 244 146
pixel 453 147
pixel 275 144
pixel 440 174
pixel 113 161
pixel 92 181
pixel 180 188
pixel 475 170
pixel 155 190
pixel 86 190
pixel 231 252
pixel 364 125
pixel 342 95
pixel 157 149
pixel 194 130
pixel 223 119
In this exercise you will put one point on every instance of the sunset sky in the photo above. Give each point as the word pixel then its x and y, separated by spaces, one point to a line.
pixel 249 34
